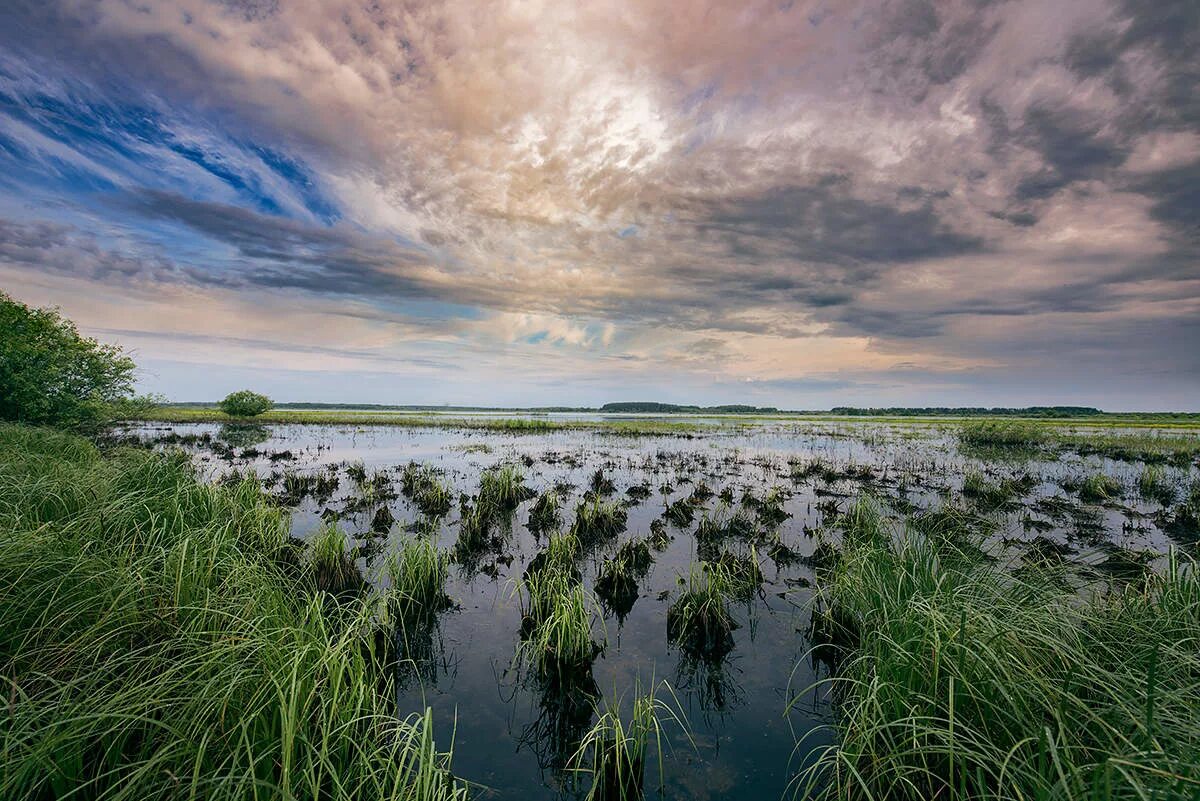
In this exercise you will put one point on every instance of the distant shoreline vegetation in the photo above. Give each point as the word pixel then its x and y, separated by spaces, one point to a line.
pixel 650 407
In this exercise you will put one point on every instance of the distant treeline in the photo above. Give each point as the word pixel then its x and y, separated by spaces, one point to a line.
pixel 642 407
pixel 968 411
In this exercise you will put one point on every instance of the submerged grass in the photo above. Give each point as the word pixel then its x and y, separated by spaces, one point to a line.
pixel 960 679
pixel 152 646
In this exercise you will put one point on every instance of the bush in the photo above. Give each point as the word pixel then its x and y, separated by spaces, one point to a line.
pixel 50 375
pixel 245 403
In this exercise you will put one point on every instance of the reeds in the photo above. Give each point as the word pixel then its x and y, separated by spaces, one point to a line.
pixel 1002 434
pixel 963 680
pixel 614 752
pixel 152 648
pixel 598 521
pixel 417 572
pixel 699 620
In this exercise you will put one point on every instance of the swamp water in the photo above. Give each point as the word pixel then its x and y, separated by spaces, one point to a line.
pixel 747 706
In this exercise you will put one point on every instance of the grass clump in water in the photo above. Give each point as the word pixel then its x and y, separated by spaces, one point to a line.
pixel 614 751
pixel 962 680
pixel 1015 434
pixel 617 583
pixel 154 648
pixel 502 490
pixel 417 572
pixel 559 616
pixel 699 621
pixel 1098 488
pixel 546 513
pixel 1153 484
pixel 421 485
pixel 598 521
pixel 333 570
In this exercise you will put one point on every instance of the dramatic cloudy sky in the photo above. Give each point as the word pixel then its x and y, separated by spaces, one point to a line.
pixel 521 202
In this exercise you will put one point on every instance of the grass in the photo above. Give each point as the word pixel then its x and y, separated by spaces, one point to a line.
pixel 962 679
pixel 1150 447
pixel 992 495
pixel 598 521
pixel 613 751
pixel 421 485
pixel 546 513
pixel 698 620
pixel 502 490
pixel 1099 487
pixel 863 522
pixel 152 645
pixel 617 580
pixel 1002 434
pixel 417 572
pixel 1153 484
pixel 559 638
pixel 511 425
pixel 332 568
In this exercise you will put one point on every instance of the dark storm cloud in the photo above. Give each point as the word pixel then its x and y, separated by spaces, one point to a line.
pixel 826 223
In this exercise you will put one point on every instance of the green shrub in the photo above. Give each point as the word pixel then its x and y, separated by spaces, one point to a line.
pixel 245 403
pixel 50 375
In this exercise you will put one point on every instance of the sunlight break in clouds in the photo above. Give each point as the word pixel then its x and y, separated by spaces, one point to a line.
pixel 795 204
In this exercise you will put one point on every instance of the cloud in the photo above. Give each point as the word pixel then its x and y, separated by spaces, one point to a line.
pixel 796 194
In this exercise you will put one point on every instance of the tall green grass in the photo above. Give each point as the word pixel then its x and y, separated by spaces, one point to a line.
pixel 614 750
pixel 153 647
pixel 959 679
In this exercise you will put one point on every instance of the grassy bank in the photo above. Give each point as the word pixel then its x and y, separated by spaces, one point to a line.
pixel 663 424
pixel 160 638
pixel 959 677
pixel 515 425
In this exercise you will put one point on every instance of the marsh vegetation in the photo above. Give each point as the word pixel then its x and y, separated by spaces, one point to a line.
pixel 868 610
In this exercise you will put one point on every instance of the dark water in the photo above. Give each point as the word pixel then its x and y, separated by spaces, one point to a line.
pixel 746 712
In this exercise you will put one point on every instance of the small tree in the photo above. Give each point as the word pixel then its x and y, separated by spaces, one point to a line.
pixel 50 375
pixel 245 403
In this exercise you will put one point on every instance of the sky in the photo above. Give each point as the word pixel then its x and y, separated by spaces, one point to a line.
pixel 791 204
